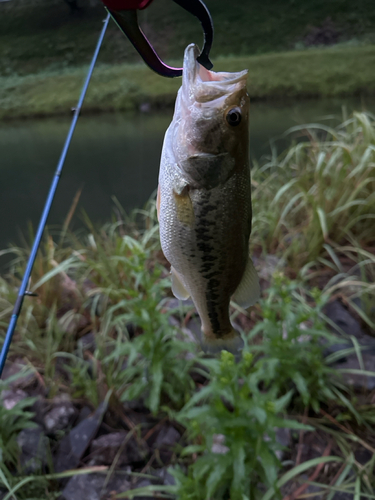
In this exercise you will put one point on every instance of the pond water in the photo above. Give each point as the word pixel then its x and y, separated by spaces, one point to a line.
pixel 113 155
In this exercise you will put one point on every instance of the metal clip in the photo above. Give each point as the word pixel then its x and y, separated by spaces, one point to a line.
pixel 127 21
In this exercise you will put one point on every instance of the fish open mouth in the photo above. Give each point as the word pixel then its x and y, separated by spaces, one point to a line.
pixel 201 85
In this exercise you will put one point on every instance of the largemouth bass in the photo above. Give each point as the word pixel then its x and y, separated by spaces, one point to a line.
pixel 204 199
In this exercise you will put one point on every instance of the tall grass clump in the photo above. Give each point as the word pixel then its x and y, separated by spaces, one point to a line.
pixel 320 190
pixel 114 286
pixel 357 283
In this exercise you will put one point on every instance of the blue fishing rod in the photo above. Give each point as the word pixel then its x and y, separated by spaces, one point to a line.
pixel 23 289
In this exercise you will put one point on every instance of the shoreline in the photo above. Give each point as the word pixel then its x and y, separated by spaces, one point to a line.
pixel 159 107
pixel 309 74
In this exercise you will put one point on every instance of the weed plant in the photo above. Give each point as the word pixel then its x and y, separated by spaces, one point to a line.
pixel 293 337
pixel 234 429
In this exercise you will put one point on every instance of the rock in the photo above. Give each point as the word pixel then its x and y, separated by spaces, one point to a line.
pixel 104 449
pixel 39 408
pixel 197 373
pixel 267 267
pixel 86 487
pixel 87 342
pixel 138 406
pixel 18 375
pixel 165 476
pixel 218 445
pixel 73 445
pixel 188 336
pixel 61 415
pixel 284 438
pixel 84 413
pixel 311 488
pixel 166 440
pixel 363 456
pixel 180 311
pixel 343 496
pixel 337 313
pixel 72 322
pixel 337 348
pixel 11 397
pixel 359 382
pixel 33 449
pixel 193 326
pixel 92 487
pixel 143 484
pixel 168 436
pixel 178 307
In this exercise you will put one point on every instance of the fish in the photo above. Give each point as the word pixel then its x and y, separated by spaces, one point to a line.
pixel 204 199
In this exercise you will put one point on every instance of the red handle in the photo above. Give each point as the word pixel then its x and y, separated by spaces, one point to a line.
pixel 126 4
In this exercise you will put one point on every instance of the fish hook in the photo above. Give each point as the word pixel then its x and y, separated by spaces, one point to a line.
pixel 124 13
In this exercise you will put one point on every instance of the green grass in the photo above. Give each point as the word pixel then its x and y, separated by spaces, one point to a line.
pixel 36 37
pixel 299 74
pixel 314 208
pixel 322 191
pixel 44 51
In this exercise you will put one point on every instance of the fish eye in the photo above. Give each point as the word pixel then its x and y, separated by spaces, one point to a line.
pixel 234 117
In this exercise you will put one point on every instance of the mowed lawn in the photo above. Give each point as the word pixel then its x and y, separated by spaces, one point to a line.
pixel 337 71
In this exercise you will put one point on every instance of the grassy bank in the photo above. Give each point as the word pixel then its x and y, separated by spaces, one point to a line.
pixel 298 74
pixel 36 35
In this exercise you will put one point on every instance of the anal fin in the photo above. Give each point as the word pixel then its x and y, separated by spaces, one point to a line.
pixel 178 289
pixel 248 291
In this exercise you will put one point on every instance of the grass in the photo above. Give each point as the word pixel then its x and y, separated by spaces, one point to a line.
pixel 313 208
pixel 44 52
pixel 299 74
pixel 35 36
pixel 309 213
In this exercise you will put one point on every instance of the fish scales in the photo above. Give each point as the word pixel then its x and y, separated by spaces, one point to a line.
pixel 204 199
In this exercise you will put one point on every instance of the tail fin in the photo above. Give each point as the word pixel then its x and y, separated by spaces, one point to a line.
pixel 231 342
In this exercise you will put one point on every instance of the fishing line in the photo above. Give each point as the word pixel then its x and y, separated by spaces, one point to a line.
pixel 22 291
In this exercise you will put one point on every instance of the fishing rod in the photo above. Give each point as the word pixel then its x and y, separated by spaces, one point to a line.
pixel 124 14
pixel 23 288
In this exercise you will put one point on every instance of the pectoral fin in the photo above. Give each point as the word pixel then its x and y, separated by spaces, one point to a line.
pixel 248 291
pixel 184 207
pixel 178 289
